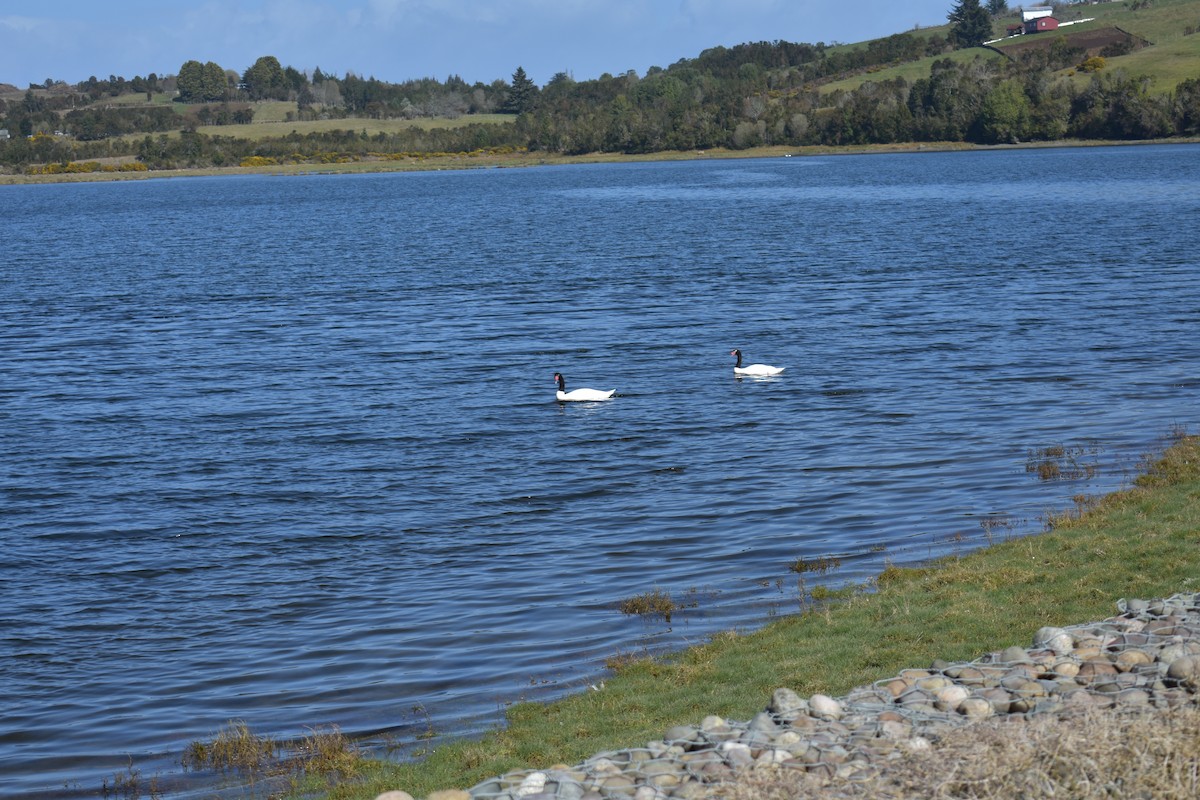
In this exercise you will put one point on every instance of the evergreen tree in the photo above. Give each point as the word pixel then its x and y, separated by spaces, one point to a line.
pixel 190 82
pixel 521 94
pixel 971 25
pixel 265 80
pixel 216 84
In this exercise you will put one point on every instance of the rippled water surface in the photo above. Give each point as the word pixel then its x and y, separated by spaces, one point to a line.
pixel 287 450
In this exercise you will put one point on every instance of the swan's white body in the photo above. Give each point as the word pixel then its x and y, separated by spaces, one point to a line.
pixel 758 370
pixel 577 395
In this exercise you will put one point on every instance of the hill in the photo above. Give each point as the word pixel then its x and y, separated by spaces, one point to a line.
pixel 1164 37
pixel 1112 71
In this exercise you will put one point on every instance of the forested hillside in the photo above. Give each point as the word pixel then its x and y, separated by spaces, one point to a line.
pixel 1111 71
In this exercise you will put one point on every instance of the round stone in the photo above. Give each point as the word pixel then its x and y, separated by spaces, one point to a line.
pixel 820 705
pixel 948 699
pixel 1184 670
pixel 1014 655
pixel 1055 639
pixel 975 708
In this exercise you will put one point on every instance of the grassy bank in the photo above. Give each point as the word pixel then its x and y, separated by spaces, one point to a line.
pixel 1140 542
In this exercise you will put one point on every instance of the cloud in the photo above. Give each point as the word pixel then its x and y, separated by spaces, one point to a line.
pixel 22 24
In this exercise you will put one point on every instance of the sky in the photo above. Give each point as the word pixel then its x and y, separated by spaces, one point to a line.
pixel 397 40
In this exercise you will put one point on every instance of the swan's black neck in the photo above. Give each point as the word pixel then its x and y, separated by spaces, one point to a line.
pixel 738 353
pixel 562 382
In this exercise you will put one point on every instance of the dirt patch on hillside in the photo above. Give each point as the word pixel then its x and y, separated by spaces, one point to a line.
pixel 1092 42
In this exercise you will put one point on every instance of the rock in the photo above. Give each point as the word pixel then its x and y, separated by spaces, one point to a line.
pixel 1092 671
pixel 947 699
pixel 934 683
pixel 918 744
pixel 970 676
pixel 1184 671
pixel 975 708
pixel 1133 606
pixel 605 766
pixel 449 794
pixel 533 783
pixel 737 755
pixel 1014 655
pixel 773 756
pixel 1054 639
pixel 1065 668
pixel 617 784
pixel 1128 660
pixel 763 724
pixel 663 775
pixel 825 707
pixel 395 794
pixel 786 703
pixel 681 734
pixel 689 790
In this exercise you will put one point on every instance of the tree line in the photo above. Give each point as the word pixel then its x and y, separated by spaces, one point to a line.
pixel 753 94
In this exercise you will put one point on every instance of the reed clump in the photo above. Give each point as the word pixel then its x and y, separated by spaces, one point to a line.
pixel 234 749
pixel 328 753
pixel 655 603
pixel 820 565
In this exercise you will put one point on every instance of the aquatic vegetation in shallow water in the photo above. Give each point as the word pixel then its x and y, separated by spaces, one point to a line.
pixel 656 603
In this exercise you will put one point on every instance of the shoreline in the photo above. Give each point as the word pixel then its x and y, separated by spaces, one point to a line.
pixel 1136 542
pixel 1140 660
pixel 517 161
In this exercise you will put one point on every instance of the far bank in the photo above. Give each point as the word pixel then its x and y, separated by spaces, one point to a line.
pixel 466 161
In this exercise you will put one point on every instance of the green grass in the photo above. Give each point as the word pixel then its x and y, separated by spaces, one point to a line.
pixel 1173 56
pixel 1166 65
pixel 136 99
pixel 909 70
pixel 1141 542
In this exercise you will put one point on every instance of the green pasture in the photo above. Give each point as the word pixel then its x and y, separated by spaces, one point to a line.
pixel 910 70
pixel 1173 55
pixel 1166 65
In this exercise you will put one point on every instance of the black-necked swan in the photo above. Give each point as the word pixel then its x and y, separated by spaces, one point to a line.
pixel 753 369
pixel 579 394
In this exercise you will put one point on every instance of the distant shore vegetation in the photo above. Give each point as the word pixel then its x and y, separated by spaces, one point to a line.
pixel 1112 71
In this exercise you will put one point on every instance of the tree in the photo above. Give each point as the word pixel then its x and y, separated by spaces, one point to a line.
pixel 521 94
pixel 215 83
pixel 971 25
pixel 265 80
pixel 200 83
pixel 1005 115
pixel 1186 107
pixel 997 8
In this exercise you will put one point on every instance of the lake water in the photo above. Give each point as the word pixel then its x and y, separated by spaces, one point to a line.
pixel 286 450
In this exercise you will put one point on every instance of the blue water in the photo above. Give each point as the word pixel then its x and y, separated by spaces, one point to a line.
pixel 286 450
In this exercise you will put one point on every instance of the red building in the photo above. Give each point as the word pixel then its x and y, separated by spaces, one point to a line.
pixel 1041 24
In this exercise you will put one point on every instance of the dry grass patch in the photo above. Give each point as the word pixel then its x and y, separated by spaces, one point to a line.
pixel 234 749
pixel 1092 755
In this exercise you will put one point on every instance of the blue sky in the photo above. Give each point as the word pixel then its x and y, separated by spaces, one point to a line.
pixel 394 40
